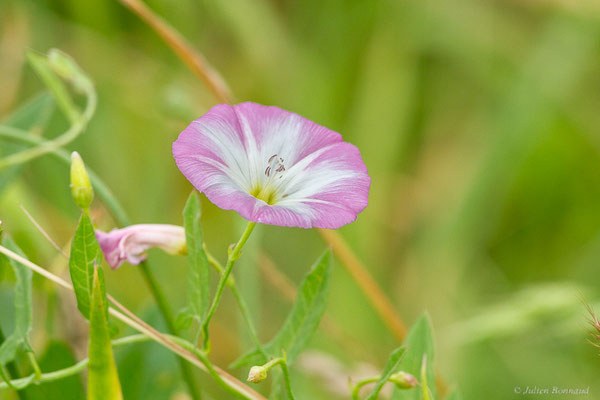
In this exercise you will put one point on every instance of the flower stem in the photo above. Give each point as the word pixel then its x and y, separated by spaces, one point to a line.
pixel 360 384
pixel 247 318
pixel 209 366
pixel 234 254
pixel 239 300
pixel 286 379
pixel 36 368
pixel 167 314
pixel 282 362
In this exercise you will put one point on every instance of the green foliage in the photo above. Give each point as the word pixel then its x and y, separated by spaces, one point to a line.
pixel 303 319
pixel 418 343
pixel 199 269
pixel 23 307
pixel 391 366
pixel 85 255
pixel 481 138
pixel 32 116
pixel 61 94
pixel 103 380
pixel 56 356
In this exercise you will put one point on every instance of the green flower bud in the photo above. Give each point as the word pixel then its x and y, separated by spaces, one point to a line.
pixel 403 380
pixel 81 188
pixel 257 374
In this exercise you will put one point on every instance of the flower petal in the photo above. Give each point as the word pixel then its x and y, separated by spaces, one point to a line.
pixel 224 154
pixel 130 243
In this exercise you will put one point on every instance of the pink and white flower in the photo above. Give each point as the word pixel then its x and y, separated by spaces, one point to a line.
pixel 130 243
pixel 273 166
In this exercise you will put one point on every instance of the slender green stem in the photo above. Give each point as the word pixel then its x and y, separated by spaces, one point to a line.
pixel 234 254
pixel 360 384
pixel 239 300
pixel 247 318
pixel 36 368
pixel 22 383
pixel 286 379
pixel 167 314
pixel 282 362
pixel 48 146
pixel 209 366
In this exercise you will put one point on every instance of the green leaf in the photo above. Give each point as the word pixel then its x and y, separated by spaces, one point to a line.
pixel 85 254
pixel 184 319
pixel 418 342
pixel 390 367
pixel 103 379
pixel 199 268
pixel 23 307
pixel 34 114
pixel 307 311
pixel 302 321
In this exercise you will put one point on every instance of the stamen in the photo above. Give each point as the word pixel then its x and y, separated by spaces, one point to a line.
pixel 275 164
pixel 267 190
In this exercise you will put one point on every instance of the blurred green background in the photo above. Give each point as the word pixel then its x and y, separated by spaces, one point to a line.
pixel 479 123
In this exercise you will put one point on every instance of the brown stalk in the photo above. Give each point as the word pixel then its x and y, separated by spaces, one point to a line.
pixel 195 61
pixel 367 284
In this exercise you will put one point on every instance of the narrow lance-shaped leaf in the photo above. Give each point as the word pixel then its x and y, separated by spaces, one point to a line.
pixel 199 268
pixel 391 366
pixel 103 379
pixel 85 253
pixel 302 321
pixel 23 308
pixel 418 342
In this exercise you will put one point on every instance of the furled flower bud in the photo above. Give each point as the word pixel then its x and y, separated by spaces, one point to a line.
pixel 403 380
pixel 81 188
pixel 130 243
pixel 257 374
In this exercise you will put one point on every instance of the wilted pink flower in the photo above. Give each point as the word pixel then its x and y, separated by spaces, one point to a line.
pixel 130 243
pixel 273 166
